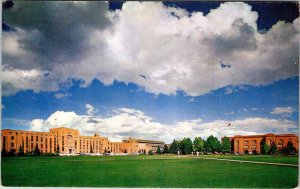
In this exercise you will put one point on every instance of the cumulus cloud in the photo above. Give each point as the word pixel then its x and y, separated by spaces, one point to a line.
pixel 90 110
pixel 134 123
pixel 283 111
pixel 174 49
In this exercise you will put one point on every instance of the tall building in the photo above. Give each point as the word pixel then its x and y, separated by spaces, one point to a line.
pixel 69 141
pixel 252 143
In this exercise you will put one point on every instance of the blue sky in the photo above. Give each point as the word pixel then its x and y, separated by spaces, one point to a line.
pixel 108 77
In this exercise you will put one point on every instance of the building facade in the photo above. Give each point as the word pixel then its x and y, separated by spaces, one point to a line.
pixel 68 141
pixel 147 144
pixel 252 143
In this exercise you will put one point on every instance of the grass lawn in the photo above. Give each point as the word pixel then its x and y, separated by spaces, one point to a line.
pixel 146 171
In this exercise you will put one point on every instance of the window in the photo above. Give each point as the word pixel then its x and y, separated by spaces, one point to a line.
pixel 36 138
pixel 280 143
pixel 12 145
pixel 41 139
pixel 41 145
pixel 31 138
pixel 4 141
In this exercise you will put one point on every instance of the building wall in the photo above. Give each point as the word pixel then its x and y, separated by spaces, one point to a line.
pixel 146 145
pixel 68 141
pixel 251 143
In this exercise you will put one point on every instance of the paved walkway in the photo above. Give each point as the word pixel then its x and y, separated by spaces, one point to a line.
pixel 255 162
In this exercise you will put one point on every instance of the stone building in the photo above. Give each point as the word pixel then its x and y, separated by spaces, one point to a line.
pixel 251 143
pixel 68 141
pixel 146 144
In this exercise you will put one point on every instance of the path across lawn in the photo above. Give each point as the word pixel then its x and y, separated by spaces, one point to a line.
pixel 256 162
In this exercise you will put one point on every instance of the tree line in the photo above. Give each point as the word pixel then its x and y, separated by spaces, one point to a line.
pixel 212 144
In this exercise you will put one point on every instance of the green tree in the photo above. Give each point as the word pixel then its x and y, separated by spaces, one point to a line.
pixel 198 144
pixel 289 148
pixel 264 147
pixel 273 148
pixel 166 149
pixel 21 151
pixel 11 153
pixel 225 145
pixel 150 152
pixel 174 147
pixel 3 152
pixel 36 151
pixel 158 150
pixel 186 146
pixel 212 144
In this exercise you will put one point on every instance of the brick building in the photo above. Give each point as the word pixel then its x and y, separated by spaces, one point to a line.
pixel 251 143
pixel 68 141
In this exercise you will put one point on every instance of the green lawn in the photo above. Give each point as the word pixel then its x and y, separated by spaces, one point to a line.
pixel 146 171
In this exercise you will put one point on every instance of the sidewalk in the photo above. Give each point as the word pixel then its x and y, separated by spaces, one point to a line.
pixel 255 162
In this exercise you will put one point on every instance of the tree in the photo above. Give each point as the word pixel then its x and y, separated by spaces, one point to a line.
pixel 225 145
pixel 273 148
pixel 289 148
pixel 21 151
pixel 166 149
pixel 212 144
pixel 36 151
pixel 3 152
pixel 198 144
pixel 174 147
pixel 150 152
pixel 11 153
pixel 186 146
pixel 264 147
pixel 158 150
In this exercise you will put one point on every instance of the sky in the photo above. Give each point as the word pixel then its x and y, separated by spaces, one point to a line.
pixel 152 70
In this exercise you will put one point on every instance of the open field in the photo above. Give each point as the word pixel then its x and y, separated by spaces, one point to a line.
pixel 147 171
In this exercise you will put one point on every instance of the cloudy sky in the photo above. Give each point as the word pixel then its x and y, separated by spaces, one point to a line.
pixel 153 70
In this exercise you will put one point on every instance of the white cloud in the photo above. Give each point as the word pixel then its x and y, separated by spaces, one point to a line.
pixel 134 123
pixel 90 110
pixel 61 95
pixel 180 52
pixel 230 113
pixel 283 111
